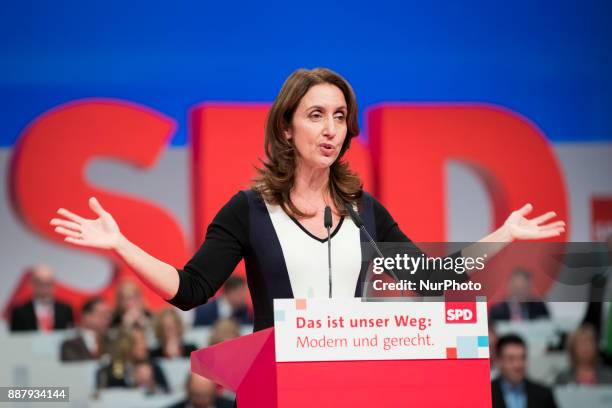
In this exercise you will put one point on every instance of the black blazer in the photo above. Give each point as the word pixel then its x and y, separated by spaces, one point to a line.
pixel 538 396
pixel 23 317
pixel 243 229
pixel 535 310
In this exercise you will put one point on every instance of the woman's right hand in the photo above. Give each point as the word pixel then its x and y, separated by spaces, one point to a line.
pixel 102 232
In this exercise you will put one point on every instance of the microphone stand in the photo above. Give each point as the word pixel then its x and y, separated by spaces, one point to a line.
pixel 361 225
pixel 327 222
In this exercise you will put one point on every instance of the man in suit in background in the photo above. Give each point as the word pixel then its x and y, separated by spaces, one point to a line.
pixel 43 312
pixel 230 304
pixel 521 305
pixel 91 340
pixel 512 389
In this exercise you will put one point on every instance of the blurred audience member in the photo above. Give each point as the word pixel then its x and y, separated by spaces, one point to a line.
pixel 599 310
pixel 224 329
pixel 127 351
pixel 201 393
pixel 140 353
pixel 585 366
pixel 115 372
pixel 512 389
pixel 91 340
pixel 492 344
pixel 231 303
pixel 130 310
pixel 43 312
pixel 145 378
pixel 169 332
pixel 521 305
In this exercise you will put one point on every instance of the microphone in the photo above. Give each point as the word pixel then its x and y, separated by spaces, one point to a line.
pixel 361 225
pixel 327 223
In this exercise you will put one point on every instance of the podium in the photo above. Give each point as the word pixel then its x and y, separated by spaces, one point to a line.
pixel 256 367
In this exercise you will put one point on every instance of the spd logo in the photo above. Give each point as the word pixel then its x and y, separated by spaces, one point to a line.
pixel 460 312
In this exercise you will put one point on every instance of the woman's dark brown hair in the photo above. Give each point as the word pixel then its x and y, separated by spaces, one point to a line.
pixel 277 176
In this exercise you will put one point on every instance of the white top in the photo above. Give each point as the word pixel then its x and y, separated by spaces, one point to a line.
pixel 306 257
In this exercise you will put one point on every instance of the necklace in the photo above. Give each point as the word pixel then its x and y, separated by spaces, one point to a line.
pixel 317 208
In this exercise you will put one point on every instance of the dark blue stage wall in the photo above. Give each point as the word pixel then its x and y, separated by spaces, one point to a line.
pixel 548 60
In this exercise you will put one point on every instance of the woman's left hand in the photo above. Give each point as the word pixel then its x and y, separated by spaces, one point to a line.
pixel 517 226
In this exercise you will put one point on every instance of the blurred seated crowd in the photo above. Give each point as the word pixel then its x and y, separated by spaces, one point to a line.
pixel 587 348
pixel 119 337
pixel 127 340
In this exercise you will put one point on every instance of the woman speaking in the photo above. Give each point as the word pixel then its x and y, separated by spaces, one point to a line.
pixel 277 226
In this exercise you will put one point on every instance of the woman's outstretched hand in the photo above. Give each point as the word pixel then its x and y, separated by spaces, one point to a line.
pixel 517 226
pixel 102 232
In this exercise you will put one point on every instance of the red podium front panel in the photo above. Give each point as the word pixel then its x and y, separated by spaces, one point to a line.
pixel 248 365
